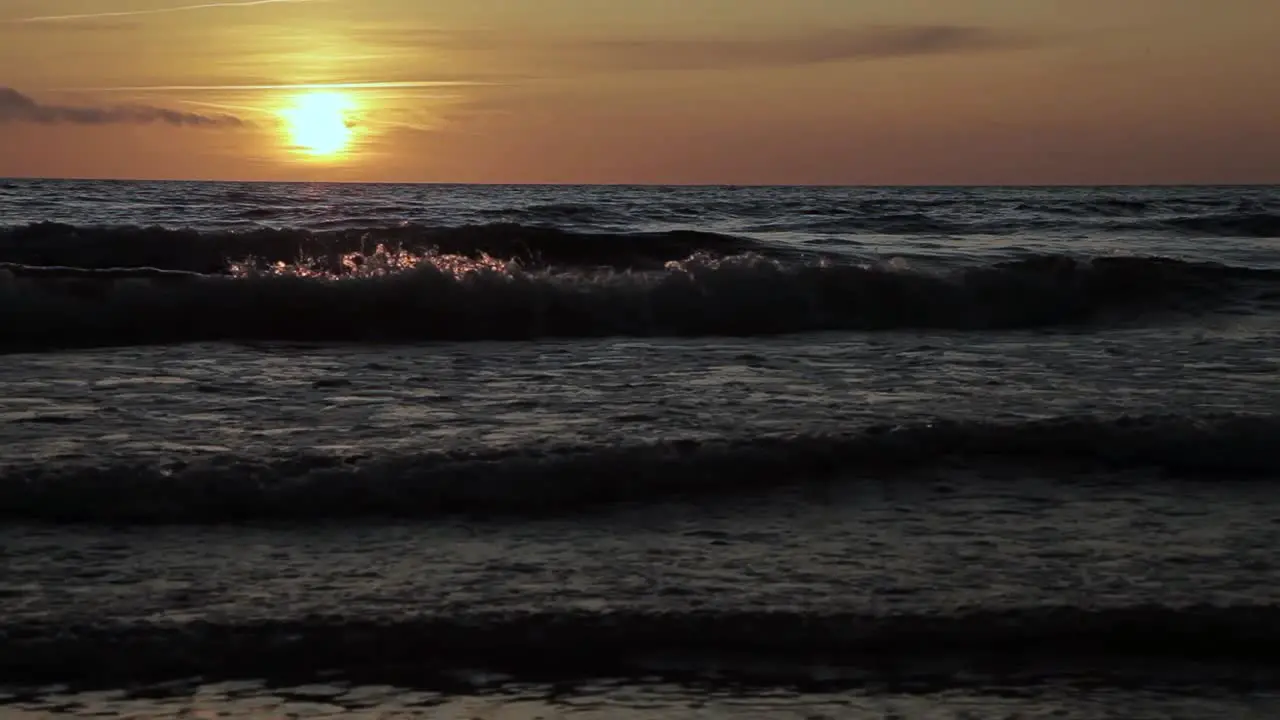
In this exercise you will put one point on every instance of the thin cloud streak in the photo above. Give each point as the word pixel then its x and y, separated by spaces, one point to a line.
pixel 16 107
pixel 550 54
pixel 159 11
pixel 229 108
pixel 856 44
pixel 389 85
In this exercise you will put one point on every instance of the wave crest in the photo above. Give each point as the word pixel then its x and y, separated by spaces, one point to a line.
pixel 400 296
pixel 1229 224
pixel 1017 646
pixel 526 482
pixel 210 253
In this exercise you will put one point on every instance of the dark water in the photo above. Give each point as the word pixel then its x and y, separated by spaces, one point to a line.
pixel 678 452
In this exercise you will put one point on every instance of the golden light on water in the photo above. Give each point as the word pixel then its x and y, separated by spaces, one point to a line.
pixel 320 124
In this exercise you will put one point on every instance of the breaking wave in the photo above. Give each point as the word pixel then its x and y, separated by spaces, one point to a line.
pixel 394 295
pixel 531 482
pixel 1016 646
pixel 213 253
pixel 566 234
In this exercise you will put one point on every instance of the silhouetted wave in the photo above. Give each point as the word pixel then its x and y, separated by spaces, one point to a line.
pixel 530 482
pixel 574 234
pixel 557 212
pixel 391 296
pixel 1235 224
pixel 213 252
pixel 1142 644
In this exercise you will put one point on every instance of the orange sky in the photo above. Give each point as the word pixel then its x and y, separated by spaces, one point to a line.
pixel 659 91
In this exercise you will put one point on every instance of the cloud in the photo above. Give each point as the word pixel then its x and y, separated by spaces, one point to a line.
pixel 78 26
pixel 552 54
pixel 874 43
pixel 158 11
pixel 16 107
pixel 354 85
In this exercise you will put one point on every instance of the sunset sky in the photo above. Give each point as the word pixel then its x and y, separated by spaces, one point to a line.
pixel 643 91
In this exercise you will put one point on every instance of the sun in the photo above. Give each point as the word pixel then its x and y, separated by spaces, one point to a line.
pixel 320 123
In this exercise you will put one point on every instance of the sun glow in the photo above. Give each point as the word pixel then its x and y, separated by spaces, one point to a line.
pixel 320 124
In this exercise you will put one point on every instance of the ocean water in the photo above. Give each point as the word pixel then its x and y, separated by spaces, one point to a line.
pixel 517 452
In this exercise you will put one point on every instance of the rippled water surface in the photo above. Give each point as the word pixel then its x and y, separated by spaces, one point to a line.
pixel 250 700
pixel 638 452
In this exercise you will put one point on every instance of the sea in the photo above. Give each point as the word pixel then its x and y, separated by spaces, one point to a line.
pixel 434 451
